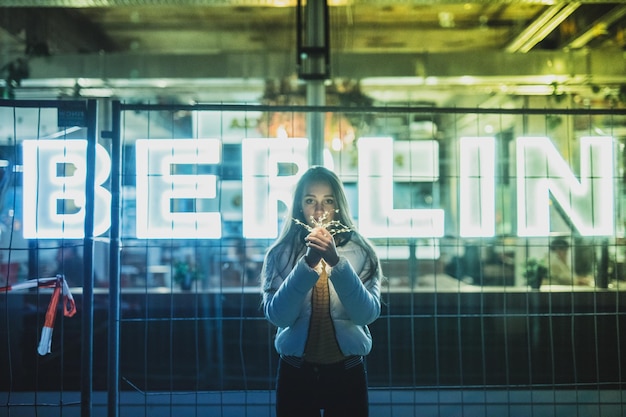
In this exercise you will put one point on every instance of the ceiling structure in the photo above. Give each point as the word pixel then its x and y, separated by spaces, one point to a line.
pixel 444 53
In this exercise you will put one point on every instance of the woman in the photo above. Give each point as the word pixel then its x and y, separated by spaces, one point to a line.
pixel 321 288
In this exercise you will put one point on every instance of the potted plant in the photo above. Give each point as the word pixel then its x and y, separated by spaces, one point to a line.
pixel 534 273
pixel 185 272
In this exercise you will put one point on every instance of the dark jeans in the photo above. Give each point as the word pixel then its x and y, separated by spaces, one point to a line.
pixel 306 390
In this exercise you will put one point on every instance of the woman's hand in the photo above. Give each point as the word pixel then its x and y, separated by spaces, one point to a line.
pixel 321 245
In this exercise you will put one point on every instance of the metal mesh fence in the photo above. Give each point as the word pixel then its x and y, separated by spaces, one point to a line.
pixel 463 205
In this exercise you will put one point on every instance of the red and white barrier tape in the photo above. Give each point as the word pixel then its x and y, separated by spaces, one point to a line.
pixel 69 306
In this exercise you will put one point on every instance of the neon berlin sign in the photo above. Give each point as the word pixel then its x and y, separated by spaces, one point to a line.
pixel 587 199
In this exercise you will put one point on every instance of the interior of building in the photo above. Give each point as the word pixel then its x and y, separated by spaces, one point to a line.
pixel 445 53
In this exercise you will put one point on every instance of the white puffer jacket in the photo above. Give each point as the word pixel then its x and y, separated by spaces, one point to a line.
pixel 353 304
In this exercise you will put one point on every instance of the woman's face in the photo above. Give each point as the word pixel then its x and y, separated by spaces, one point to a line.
pixel 318 198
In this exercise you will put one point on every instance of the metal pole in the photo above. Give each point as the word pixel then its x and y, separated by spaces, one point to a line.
pixel 86 386
pixel 317 37
pixel 315 94
pixel 114 265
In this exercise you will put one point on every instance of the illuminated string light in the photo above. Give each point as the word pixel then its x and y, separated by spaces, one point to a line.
pixel 333 226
